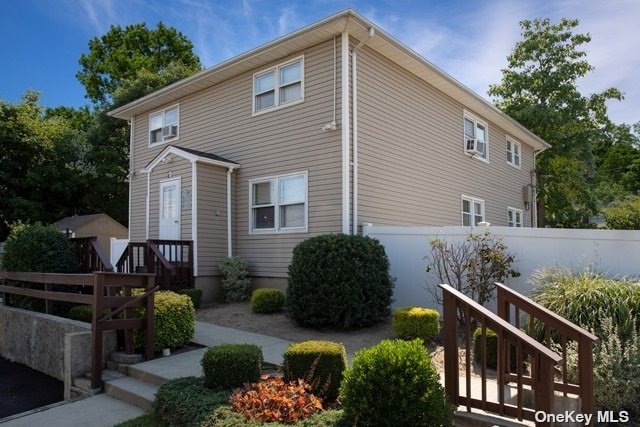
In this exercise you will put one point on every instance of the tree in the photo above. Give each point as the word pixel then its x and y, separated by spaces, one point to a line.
pixel 42 165
pixel 120 54
pixel 624 214
pixel 539 90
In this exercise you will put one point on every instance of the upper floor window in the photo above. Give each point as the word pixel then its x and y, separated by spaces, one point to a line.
pixel 472 211
pixel 475 137
pixel 279 204
pixel 163 125
pixel 513 153
pixel 514 217
pixel 279 86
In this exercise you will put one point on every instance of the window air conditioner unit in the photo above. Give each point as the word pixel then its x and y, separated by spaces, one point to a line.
pixel 170 131
pixel 471 146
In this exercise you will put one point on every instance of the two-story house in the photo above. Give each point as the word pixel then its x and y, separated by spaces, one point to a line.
pixel 322 130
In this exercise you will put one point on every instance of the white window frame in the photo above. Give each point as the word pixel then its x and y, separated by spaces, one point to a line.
pixel 472 201
pixel 476 121
pixel 513 222
pixel 276 69
pixel 163 112
pixel 275 198
pixel 514 143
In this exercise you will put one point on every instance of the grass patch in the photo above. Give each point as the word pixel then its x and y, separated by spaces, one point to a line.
pixel 186 401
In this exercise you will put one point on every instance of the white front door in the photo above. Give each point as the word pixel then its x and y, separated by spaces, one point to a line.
pixel 169 227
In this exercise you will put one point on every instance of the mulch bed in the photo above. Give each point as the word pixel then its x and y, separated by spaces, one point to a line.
pixel 23 388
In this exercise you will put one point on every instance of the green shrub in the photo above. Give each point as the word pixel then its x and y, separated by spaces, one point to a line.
pixel 320 363
pixel 83 313
pixel 394 383
pixel 186 401
pixel 231 365
pixel 144 420
pixel 416 322
pixel 492 350
pixel 224 416
pixel 338 280
pixel 236 286
pixel 586 298
pixel 174 321
pixel 624 215
pixel 37 248
pixel 267 300
pixel 194 294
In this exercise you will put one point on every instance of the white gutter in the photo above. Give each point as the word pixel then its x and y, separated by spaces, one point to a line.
pixel 229 240
pixel 146 235
pixel 354 91
pixel 132 172
pixel 344 74
pixel 194 215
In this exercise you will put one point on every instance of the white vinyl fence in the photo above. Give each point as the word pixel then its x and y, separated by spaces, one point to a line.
pixel 118 246
pixel 614 252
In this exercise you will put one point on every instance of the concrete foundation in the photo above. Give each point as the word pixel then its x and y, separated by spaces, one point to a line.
pixel 212 286
pixel 53 345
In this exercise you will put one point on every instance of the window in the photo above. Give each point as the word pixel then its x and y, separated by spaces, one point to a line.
pixel 278 86
pixel 279 203
pixel 472 211
pixel 513 153
pixel 475 137
pixel 514 217
pixel 163 125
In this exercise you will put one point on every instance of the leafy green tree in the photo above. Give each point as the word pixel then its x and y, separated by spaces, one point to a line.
pixel 539 90
pixel 624 214
pixel 120 54
pixel 42 164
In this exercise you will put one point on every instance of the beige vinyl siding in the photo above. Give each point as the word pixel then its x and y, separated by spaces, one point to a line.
pixel 219 120
pixel 412 165
pixel 212 217
pixel 177 168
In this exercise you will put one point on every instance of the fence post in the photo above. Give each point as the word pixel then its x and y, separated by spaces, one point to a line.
pixel 149 313
pixel 96 329
pixel 585 370
pixel 451 380
pixel 545 394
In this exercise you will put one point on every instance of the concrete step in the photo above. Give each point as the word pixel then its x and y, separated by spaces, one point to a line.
pixel 132 391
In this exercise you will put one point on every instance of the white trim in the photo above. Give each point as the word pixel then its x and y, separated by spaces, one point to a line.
pixel 514 143
pixel 179 210
pixel 229 235
pixel 344 75
pixel 476 121
pixel 276 90
pixel 186 155
pixel 132 172
pixel 275 197
pixel 515 211
pixel 194 215
pixel 163 112
pixel 148 219
pixel 472 201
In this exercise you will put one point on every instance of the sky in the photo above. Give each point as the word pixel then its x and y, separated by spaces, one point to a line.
pixel 42 40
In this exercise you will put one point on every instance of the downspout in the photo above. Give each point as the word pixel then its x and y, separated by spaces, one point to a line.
pixel 344 75
pixel 354 95
pixel 229 240
pixel 132 172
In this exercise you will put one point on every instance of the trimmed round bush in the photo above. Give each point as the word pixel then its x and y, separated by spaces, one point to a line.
pixel 416 322
pixel 492 349
pixel 320 363
pixel 340 281
pixel 194 294
pixel 83 313
pixel 174 321
pixel 267 300
pixel 394 383
pixel 228 366
pixel 236 285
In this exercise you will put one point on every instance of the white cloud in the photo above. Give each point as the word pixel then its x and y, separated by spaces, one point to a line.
pixel 287 21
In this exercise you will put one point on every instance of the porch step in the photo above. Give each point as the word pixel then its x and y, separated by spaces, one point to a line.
pixel 462 418
pixel 83 384
pixel 132 391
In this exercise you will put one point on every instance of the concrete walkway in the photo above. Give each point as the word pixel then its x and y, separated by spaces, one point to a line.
pixel 103 410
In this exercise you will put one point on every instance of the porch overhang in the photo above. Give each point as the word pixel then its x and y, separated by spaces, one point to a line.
pixel 192 155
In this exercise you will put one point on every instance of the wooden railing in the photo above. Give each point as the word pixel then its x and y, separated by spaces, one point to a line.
pixel 554 329
pixel 111 301
pixel 543 360
pixel 90 255
pixel 171 261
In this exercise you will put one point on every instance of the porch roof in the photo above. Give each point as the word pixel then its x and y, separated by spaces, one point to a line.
pixel 192 156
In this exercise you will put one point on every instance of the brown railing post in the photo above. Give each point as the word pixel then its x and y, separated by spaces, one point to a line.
pixel 96 335
pixel 585 371
pixel 450 319
pixel 48 303
pixel 149 321
pixel 544 394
